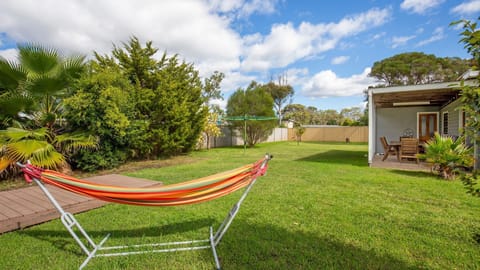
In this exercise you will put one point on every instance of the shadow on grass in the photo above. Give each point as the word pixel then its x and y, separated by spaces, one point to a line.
pixel 253 246
pixel 421 174
pixel 357 158
pixel 249 246
pixel 61 238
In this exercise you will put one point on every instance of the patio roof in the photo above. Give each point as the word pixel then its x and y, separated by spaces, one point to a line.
pixel 413 95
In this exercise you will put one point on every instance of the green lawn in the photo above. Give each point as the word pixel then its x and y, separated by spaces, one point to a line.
pixel 319 207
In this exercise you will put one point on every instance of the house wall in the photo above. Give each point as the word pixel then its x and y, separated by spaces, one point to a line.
pixel 454 118
pixel 392 122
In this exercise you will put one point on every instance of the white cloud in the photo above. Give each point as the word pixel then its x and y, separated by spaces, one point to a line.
pixel 378 36
pixel 400 41
pixel 327 83
pixel 282 46
pixel 296 76
pixel 286 43
pixel 242 8
pixel 372 38
pixel 9 54
pixel 437 35
pixel 340 60
pixel 233 80
pixel 225 5
pixel 187 27
pixel 469 7
pixel 260 6
pixel 222 103
pixel 420 6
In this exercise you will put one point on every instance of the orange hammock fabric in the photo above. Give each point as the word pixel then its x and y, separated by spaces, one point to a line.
pixel 194 191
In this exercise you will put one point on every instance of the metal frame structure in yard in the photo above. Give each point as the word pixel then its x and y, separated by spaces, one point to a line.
pixel 92 249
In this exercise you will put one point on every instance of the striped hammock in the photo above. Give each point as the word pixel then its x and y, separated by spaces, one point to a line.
pixel 190 192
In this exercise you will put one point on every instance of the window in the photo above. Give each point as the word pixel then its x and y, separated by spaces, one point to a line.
pixel 445 123
pixel 461 122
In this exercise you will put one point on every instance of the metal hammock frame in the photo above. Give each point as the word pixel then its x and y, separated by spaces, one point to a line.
pixel 93 249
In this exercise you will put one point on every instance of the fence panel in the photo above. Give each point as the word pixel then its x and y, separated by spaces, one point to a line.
pixel 231 137
pixel 312 134
pixel 332 134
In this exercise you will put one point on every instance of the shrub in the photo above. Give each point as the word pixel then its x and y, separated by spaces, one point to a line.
pixel 105 157
pixel 447 155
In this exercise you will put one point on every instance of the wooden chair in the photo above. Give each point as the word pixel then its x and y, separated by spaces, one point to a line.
pixel 388 149
pixel 409 149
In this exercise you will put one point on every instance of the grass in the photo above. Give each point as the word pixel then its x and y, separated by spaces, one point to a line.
pixel 319 207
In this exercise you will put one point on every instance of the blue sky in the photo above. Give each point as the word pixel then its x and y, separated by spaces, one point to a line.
pixel 323 48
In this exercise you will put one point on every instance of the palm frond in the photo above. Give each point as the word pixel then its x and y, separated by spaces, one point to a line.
pixel 5 162
pixel 73 66
pixel 39 153
pixel 10 74
pixel 11 103
pixel 48 160
pixel 24 150
pixel 38 59
pixel 70 142
pixel 12 135
pixel 42 85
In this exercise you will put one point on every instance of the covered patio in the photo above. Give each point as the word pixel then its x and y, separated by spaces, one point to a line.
pixel 415 111
pixel 392 163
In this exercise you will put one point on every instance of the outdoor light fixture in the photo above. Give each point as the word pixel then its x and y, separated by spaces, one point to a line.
pixel 411 103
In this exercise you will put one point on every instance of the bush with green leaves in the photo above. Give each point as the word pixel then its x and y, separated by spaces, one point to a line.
pixel 448 156
pixel 138 106
pixel 102 105
pixel 253 101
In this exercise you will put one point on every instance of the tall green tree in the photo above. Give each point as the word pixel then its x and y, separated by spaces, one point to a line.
pixel 212 90
pixel 329 117
pixel 417 68
pixel 253 101
pixel 168 94
pixel 178 112
pixel 159 108
pixel 137 62
pixel 297 113
pixel 352 116
pixel 211 87
pixel 282 95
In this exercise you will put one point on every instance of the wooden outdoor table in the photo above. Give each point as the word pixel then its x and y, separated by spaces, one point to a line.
pixel 397 145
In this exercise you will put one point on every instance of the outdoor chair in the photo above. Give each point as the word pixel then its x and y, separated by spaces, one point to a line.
pixel 409 149
pixel 388 149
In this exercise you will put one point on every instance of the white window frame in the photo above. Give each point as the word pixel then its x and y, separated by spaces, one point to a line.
pixel 445 127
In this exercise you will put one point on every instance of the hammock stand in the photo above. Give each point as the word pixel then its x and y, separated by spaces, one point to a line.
pixel 92 249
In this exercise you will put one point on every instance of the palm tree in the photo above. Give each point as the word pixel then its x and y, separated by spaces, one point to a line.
pixel 31 92
pixel 13 98
pixel 36 82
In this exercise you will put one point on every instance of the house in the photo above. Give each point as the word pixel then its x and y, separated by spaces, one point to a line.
pixel 414 110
